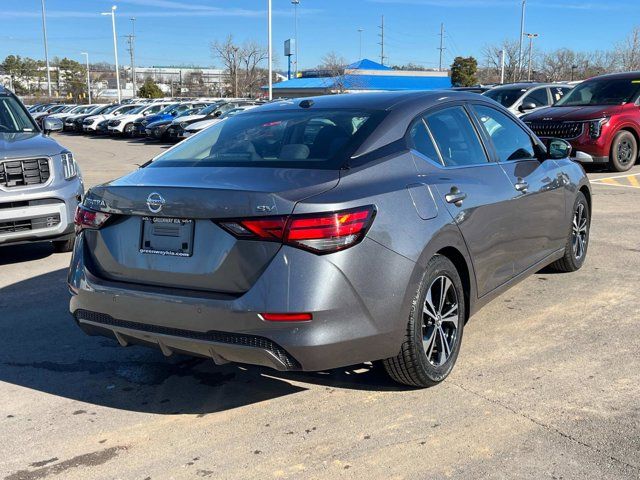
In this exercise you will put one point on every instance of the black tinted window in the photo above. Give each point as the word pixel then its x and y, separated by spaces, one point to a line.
pixel 421 141
pixel 505 96
pixel 288 138
pixel 455 137
pixel 602 91
pixel 537 97
pixel 511 141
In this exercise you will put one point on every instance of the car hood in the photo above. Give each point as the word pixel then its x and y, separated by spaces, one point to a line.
pixel 159 123
pixel 188 118
pixel 18 145
pixel 157 118
pixel 127 117
pixel 204 124
pixel 571 113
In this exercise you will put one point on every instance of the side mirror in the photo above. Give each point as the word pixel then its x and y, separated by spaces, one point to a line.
pixel 558 149
pixel 217 114
pixel 527 106
pixel 174 113
pixel 51 125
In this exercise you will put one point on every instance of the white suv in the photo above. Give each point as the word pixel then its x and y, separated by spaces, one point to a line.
pixel 90 124
pixel 123 124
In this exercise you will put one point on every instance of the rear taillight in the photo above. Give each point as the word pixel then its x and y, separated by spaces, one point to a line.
pixel 286 317
pixel 86 218
pixel 319 233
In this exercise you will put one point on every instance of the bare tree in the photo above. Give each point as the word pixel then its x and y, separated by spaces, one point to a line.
pixel 243 64
pixel 252 56
pixel 334 65
pixel 628 51
pixel 491 71
pixel 566 64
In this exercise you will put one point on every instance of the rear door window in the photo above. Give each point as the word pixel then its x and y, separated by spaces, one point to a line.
pixel 455 137
pixel 557 93
pixel 420 140
pixel 538 97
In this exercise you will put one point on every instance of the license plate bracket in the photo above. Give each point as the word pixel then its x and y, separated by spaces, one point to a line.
pixel 167 236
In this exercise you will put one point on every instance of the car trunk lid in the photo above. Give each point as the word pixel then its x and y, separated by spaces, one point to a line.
pixel 157 211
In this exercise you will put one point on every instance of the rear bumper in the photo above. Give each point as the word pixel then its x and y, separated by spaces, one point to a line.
pixel 49 221
pixel 357 316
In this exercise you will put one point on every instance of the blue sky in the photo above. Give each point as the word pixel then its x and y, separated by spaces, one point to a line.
pixel 178 32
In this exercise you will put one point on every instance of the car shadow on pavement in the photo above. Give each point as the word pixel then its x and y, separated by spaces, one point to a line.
pixel 42 349
pixel 25 253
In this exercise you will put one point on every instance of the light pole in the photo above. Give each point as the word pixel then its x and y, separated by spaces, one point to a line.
pixel 360 30
pixel 530 36
pixel 295 30
pixel 88 79
pixel 235 71
pixel 115 48
pixel 133 55
pixel 524 7
pixel 573 71
pixel 46 48
pixel 270 53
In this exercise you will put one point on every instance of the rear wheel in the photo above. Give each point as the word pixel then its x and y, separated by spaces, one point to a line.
pixel 624 152
pixel 434 332
pixel 575 251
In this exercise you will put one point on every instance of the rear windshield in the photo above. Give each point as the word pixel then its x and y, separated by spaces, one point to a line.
pixel 505 96
pixel 13 119
pixel 604 91
pixel 320 139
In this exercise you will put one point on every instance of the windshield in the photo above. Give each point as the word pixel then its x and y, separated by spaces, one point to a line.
pixel 603 91
pixel 320 139
pixel 99 109
pixel 168 109
pixel 505 96
pixel 13 119
pixel 209 109
pixel 111 109
pixel 136 110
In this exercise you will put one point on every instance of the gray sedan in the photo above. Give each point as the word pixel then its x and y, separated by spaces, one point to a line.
pixel 324 232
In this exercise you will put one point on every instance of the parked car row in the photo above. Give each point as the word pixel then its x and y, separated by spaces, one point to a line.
pixel 164 120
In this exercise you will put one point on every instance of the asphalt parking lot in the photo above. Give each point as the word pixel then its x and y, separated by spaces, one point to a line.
pixel 546 386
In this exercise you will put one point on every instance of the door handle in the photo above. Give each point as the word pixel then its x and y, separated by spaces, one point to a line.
pixel 521 185
pixel 455 196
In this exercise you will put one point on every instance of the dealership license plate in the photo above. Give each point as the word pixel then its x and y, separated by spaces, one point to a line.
pixel 167 236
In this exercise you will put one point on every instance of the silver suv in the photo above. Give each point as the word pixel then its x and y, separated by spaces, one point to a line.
pixel 40 183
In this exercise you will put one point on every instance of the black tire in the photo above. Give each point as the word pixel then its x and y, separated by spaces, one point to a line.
pixel 127 131
pixel 575 250
pixel 63 246
pixel 624 152
pixel 413 366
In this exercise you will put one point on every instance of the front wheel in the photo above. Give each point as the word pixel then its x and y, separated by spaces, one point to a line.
pixel 128 130
pixel 624 152
pixel 434 332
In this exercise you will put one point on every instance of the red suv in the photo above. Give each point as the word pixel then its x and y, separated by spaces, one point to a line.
pixel 600 117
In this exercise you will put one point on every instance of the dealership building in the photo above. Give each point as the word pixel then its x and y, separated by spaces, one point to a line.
pixel 362 76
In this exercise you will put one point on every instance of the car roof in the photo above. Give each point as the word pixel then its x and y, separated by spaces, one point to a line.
pixel 523 85
pixel 619 76
pixel 368 101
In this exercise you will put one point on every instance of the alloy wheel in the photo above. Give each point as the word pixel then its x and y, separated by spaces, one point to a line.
pixel 625 152
pixel 440 320
pixel 580 230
